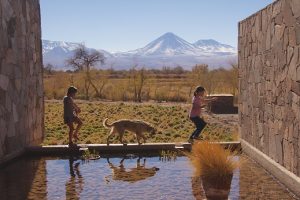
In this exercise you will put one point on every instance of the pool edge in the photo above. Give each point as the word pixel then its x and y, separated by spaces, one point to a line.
pixel 11 157
pixel 117 148
pixel 290 180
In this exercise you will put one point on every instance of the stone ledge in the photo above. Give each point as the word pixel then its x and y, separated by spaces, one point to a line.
pixel 117 148
pixel 102 148
pixel 286 177
pixel 10 157
pixel 231 145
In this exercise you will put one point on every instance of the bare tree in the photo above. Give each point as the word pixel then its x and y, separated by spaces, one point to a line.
pixel 102 80
pixel 233 77
pixel 178 70
pixel 138 78
pixel 210 81
pixel 198 76
pixel 48 69
pixel 141 83
pixel 87 87
pixel 84 60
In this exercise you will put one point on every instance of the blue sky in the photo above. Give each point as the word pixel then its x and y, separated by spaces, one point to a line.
pixel 122 25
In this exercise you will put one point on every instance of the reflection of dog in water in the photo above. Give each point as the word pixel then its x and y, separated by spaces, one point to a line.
pixel 140 172
pixel 135 126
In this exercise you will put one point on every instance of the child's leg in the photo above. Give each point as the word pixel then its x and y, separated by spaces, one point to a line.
pixel 194 120
pixel 78 121
pixel 200 124
pixel 71 129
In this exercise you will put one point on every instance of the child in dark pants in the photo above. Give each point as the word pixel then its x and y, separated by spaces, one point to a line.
pixel 70 115
pixel 195 114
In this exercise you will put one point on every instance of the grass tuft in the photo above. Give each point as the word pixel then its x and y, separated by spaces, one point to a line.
pixel 167 155
pixel 212 162
pixel 90 155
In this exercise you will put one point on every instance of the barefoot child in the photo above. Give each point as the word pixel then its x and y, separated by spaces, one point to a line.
pixel 195 114
pixel 70 115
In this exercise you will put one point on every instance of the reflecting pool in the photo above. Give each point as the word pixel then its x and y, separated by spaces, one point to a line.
pixel 126 177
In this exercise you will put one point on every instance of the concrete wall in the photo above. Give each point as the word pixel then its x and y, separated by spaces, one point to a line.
pixel 269 82
pixel 21 81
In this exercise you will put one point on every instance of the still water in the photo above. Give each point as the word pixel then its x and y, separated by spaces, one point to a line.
pixel 126 177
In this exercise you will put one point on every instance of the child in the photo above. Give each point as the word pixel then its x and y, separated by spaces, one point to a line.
pixel 70 115
pixel 195 113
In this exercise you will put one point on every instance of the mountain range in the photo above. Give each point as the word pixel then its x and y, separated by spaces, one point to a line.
pixel 167 50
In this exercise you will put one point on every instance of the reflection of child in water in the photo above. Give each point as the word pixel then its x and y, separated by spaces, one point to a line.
pixel 70 115
pixel 74 185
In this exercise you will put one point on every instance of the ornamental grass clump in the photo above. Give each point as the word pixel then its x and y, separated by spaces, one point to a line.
pixel 90 155
pixel 213 163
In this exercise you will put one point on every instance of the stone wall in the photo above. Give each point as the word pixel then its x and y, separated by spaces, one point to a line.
pixel 21 81
pixel 269 82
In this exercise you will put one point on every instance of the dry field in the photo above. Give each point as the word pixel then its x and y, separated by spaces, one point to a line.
pixel 159 86
pixel 169 118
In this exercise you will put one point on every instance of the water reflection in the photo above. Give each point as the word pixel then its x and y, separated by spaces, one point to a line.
pixel 140 172
pixel 75 183
pixel 24 179
pixel 60 178
pixel 197 188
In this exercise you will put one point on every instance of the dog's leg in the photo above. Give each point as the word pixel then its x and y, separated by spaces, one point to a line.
pixel 144 138
pixel 138 164
pixel 138 138
pixel 112 132
pixel 121 162
pixel 121 133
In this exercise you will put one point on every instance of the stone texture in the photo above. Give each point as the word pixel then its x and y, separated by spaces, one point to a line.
pixel 4 82
pixel 21 85
pixel 269 82
pixel 295 4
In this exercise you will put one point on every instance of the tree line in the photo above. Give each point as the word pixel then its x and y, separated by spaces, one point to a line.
pixel 135 84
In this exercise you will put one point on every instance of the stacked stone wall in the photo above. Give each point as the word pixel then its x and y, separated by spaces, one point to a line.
pixel 269 82
pixel 21 83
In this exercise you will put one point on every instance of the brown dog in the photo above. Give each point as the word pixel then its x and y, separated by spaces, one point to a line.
pixel 135 126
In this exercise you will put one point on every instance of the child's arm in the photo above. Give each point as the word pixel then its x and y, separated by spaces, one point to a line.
pixel 76 108
pixel 206 100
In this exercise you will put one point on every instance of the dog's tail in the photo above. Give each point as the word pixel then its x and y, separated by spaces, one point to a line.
pixel 105 124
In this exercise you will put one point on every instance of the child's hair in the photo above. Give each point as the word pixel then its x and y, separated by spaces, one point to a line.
pixel 199 89
pixel 71 90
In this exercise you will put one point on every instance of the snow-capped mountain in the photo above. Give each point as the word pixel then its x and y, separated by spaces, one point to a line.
pixel 213 46
pixel 58 46
pixel 57 52
pixel 168 44
pixel 167 50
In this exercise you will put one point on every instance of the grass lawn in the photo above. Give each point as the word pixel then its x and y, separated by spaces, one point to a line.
pixel 170 119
